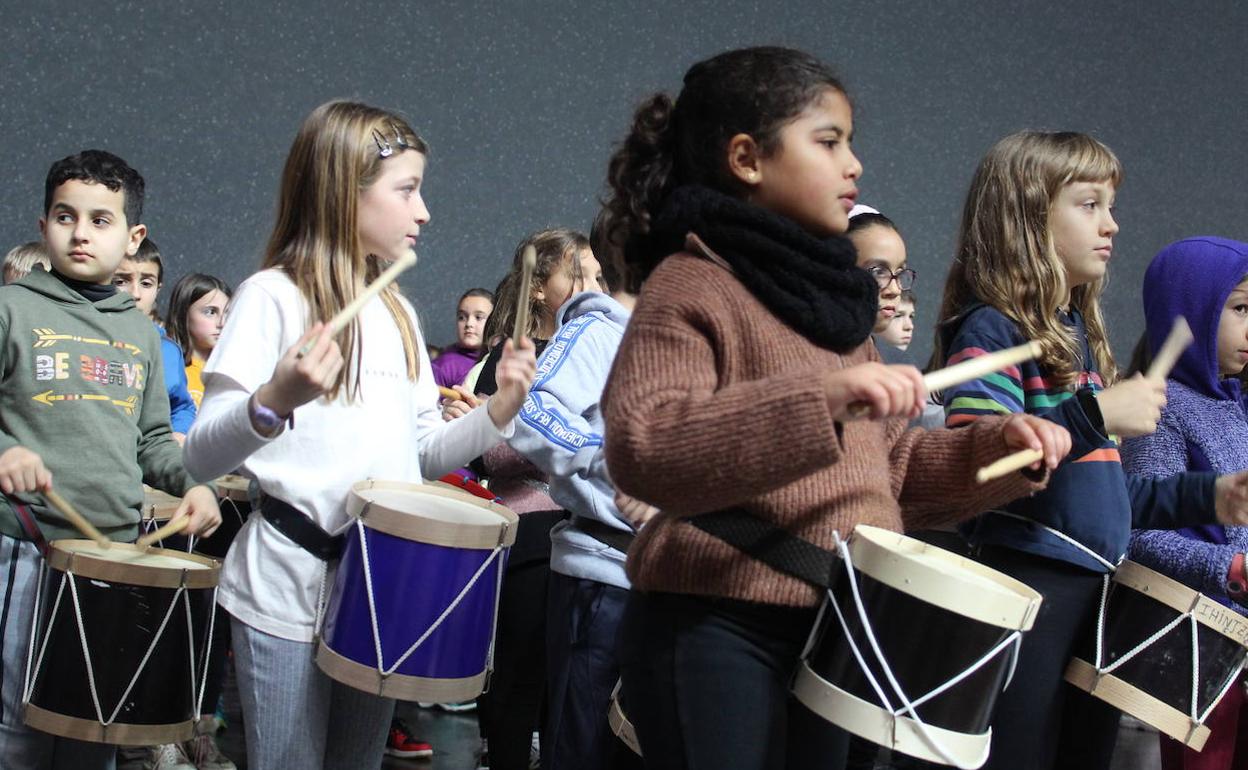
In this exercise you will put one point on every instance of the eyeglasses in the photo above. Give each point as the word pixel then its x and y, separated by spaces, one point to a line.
pixel 883 276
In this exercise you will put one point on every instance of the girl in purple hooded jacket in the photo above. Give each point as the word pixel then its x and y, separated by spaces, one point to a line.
pixel 1203 427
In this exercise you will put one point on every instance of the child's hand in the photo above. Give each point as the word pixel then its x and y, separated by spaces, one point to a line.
pixel 514 376
pixel 1132 407
pixel 298 379
pixel 634 511
pixel 21 470
pixel 1231 499
pixel 1025 431
pixel 201 505
pixel 885 391
pixel 461 406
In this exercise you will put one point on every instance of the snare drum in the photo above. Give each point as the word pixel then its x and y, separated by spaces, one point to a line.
pixel 158 508
pixel 912 647
pixel 144 616
pixel 1166 654
pixel 412 611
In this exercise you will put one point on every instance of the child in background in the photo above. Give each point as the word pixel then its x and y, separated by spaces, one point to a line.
pixel 470 318
pixel 197 307
pixel 1203 427
pixel 96 431
pixel 882 253
pixel 560 431
pixel 900 332
pixel 21 260
pixel 731 399
pixel 371 382
pixel 141 275
pixel 1042 281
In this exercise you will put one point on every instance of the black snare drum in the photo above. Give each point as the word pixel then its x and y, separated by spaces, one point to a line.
pixel 117 655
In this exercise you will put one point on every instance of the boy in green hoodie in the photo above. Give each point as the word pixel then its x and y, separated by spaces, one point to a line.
pixel 82 405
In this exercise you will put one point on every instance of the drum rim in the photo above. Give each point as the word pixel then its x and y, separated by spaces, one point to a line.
pixel 85 565
pixel 116 733
pixel 234 487
pixel 1182 598
pixel 410 525
pixel 160 509
pixel 826 699
pixel 1126 697
pixel 621 725
pixel 876 553
pixel 342 669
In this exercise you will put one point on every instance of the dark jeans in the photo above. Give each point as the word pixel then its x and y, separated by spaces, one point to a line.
pixel 707 686
pixel 1042 722
pixel 582 622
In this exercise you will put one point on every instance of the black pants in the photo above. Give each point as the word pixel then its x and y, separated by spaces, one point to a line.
pixel 511 710
pixel 1042 722
pixel 582 623
pixel 707 686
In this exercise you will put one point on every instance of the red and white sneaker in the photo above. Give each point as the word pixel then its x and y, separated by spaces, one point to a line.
pixel 403 744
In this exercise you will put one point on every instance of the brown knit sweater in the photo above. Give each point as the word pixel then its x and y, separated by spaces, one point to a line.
pixel 714 403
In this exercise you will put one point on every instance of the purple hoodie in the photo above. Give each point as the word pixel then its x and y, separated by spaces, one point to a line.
pixel 450 368
pixel 1203 425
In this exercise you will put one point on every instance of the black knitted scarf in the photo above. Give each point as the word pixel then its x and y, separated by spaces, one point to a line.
pixel 812 285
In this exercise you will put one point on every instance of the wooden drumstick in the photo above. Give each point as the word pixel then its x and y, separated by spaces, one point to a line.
pixel 1176 342
pixel 77 519
pixel 526 277
pixel 172 528
pixel 344 316
pixel 448 393
pixel 968 370
pixel 1008 464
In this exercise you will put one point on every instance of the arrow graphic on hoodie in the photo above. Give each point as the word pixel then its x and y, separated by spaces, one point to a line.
pixel 47 397
pixel 46 338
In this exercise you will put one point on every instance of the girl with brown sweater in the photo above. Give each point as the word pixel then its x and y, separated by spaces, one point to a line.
pixel 732 391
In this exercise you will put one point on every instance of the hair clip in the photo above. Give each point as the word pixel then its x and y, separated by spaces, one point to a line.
pixel 384 148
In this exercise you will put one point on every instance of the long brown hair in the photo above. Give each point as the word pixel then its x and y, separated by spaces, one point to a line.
pixel 1005 255
pixel 557 248
pixel 338 153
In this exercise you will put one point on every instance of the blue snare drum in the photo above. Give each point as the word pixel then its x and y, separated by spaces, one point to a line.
pixel 412 611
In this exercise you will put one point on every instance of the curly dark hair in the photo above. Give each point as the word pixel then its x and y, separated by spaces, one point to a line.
pixel 103 168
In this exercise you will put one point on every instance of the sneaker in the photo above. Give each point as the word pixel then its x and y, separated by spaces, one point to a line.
pixel 170 756
pixel 203 750
pixel 535 752
pixel 405 745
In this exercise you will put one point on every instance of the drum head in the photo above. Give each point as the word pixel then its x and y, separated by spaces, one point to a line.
pixel 128 563
pixel 436 515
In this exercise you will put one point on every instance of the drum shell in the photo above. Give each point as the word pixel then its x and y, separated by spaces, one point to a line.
pixel 1164 668
pixel 413 583
pixel 925 646
pixel 120 622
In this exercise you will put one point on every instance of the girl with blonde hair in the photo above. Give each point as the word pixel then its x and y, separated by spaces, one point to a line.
pixel 350 203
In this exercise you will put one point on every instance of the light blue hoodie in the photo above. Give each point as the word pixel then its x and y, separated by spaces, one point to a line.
pixel 560 431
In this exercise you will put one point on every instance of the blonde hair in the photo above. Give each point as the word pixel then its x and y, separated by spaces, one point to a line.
pixel 338 153
pixel 1005 255
pixel 556 248
pixel 22 259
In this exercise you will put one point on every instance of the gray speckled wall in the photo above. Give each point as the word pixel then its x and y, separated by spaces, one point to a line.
pixel 522 102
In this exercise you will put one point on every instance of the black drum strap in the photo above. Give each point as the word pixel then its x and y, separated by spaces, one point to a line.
pixel 300 529
pixel 773 546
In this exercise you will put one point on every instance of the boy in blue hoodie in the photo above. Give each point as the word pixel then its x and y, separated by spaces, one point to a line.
pixel 560 431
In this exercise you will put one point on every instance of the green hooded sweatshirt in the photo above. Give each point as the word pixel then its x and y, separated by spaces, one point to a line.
pixel 81 385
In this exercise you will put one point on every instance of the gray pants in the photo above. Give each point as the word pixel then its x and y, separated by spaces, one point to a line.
pixel 20 746
pixel 296 716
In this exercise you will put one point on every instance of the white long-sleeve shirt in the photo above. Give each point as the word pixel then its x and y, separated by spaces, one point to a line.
pixel 393 430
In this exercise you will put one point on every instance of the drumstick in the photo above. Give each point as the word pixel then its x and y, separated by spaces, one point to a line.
pixel 1176 342
pixel 969 370
pixel 344 316
pixel 448 393
pixel 76 518
pixel 1008 464
pixel 526 277
pixel 172 528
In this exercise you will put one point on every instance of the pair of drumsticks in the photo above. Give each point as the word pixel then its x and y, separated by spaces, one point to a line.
pixel 89 531
pixel 1176 342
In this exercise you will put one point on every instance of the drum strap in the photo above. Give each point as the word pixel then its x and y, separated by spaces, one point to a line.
pixel 773 546
pixel 300 529
pixel 605 533
pixel 31 527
